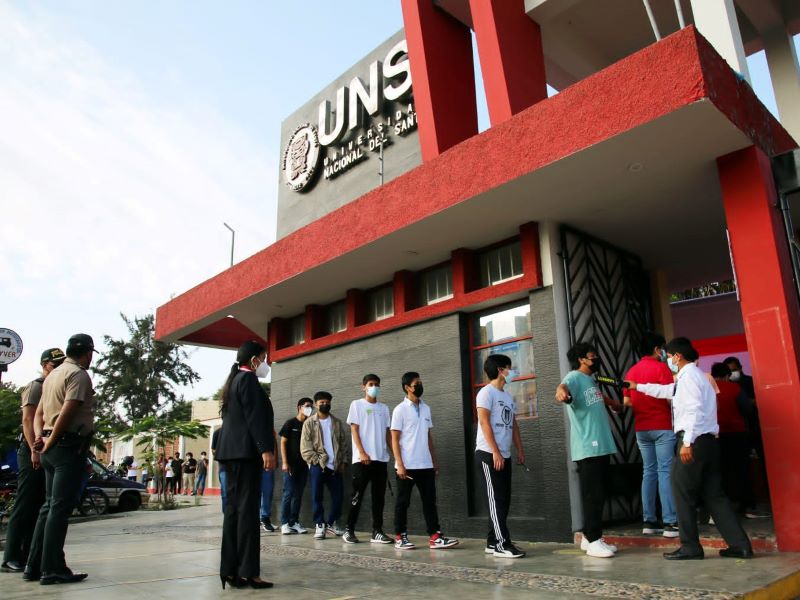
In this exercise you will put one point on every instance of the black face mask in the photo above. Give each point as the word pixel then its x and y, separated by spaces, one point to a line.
pixel 418 389
pixel 324 408
pixel 596 364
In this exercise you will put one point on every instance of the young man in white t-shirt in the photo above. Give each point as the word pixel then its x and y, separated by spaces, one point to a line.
pixel 497 430
pixel 369 426
pixel 415 461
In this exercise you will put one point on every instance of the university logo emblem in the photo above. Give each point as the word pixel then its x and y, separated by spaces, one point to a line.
pixel 301 157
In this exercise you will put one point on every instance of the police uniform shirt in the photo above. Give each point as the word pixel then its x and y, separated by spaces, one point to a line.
pixel 32 393
pixel 69 383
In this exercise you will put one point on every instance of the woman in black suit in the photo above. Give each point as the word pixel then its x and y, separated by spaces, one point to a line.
pixel 245 446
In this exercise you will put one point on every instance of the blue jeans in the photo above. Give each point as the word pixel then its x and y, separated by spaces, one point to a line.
pixel 333 481
pixel 267 486
pixel 200 484
pixel 222 494
pixel 293 487
pixel 657 448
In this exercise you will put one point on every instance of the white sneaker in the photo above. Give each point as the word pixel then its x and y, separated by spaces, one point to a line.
pixel 298 528
pixel 335 529
pixel 599 549
pixel 286 529
pixel 585 544
pixel 319 531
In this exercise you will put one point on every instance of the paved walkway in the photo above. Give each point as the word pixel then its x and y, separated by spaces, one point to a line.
pixel 175 554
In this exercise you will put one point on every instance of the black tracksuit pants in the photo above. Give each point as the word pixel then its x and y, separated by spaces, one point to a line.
pixel 592 475
pixel 497 486
pixel 374 472
pixel 425 480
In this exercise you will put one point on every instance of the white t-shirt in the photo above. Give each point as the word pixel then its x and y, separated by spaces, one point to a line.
pixel 501 407
pixel 327 439
pixel 168 471
pixel 373 421
pixel 413 425
pixel 133 470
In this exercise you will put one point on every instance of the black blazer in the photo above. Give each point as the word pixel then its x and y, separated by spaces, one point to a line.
pixel 247 419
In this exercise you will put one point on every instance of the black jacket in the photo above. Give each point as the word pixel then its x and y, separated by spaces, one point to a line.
pixel 247 419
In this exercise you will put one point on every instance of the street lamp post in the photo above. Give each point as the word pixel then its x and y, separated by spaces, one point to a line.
pixel 233 239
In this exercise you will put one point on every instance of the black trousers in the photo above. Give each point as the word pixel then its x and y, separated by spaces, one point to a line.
pixel 497 486
pixel 701 479
pixel 734 451
pixel 28 501
pixel 592 475
pixel 374 472
pixel 241 537
pixel 425 480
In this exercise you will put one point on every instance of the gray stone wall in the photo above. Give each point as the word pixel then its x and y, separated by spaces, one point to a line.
pixel 438 350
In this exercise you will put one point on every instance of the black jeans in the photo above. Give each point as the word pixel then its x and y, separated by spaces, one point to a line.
pixel 241 538
pixel 27 503
pixel 64 467
pixel 701 479
pixel 374 472
pixel 735 464
pixel 425 480
pixel 592 475
pixel 497 486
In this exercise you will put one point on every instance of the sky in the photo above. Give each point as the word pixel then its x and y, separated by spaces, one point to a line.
pixel 130 131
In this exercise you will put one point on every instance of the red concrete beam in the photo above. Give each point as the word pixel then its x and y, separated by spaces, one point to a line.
pixel 440 55
pixel 511 55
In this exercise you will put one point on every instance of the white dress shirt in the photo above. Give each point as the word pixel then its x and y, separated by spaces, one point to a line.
pixel 694 403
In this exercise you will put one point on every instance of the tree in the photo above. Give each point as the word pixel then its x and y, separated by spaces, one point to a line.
pixel 10 414
pixel 139 375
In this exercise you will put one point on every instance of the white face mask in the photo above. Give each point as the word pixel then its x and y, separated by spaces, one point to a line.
pixel 307 410
pixel 262 370
pixel 673 366
pixel 736 375
pixel 373 391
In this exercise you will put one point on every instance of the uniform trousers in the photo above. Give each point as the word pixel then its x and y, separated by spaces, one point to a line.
pixel 425 480
pixel 701 479
pixel 27 503
pixel 374 472
pixel 241 538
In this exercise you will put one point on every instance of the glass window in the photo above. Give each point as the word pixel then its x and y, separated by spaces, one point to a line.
pixel 297 330
pixel 435 285
pixel 500 264
pixel 506 331
pixel 336 318
pixel 380 304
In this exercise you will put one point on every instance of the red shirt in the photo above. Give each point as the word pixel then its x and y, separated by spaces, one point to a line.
pixel 649 413
pixel 728 415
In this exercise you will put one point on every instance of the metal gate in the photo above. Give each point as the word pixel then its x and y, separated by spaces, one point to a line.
pixel 608 305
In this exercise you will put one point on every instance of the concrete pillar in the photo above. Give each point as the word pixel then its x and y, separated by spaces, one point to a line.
pixel 662 311
pixel 716 21
pixel 784 71
pixel 771 316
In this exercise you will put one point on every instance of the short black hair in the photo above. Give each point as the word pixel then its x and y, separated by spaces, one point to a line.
pixel 650 340
pixel 190 454
pixel 733 359
pixel 408 378
pixel 303 401
pixel 682 346
pixel 323 396
pixel 493 364
pixel 370 377
pixel 719 370
pixel 579 350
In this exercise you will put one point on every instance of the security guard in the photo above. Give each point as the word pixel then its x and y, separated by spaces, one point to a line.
pixel 30 477
pixel 68 422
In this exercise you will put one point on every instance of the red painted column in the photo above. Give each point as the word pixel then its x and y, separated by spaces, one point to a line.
pixel 464 275
pixel 403 290
pixel 531 254
pixel 276 335
pixel 315 322
pixel 440 53
pixel 511 55
pixel 772 324
pixel 355 308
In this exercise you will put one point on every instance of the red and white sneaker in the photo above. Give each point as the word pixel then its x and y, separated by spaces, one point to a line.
pixel 439 542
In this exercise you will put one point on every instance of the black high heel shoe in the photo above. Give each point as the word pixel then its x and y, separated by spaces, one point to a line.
pixel 234 581
pixel 253 583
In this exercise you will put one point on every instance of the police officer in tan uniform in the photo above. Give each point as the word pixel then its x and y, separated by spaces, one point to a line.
pixel 68 415
pixel 30 477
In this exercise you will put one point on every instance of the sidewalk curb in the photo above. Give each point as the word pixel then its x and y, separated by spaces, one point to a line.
pixel 783 589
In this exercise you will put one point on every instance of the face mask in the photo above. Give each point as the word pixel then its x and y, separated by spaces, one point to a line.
pixel 324 409
pixel 663 355
pixel 307 410
pixel 596 364
pixel 673 366
pixel 262 370
pixel 418 389
pixel 736 375
pixel 511 375
pixel 374 391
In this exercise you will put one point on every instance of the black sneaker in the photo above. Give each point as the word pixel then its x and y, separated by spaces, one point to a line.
pixel 651 528
pixel 349 537
pixel 508 550
pixel 378 537
pixel 671 530
pixel 489 548
pixel 266 525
